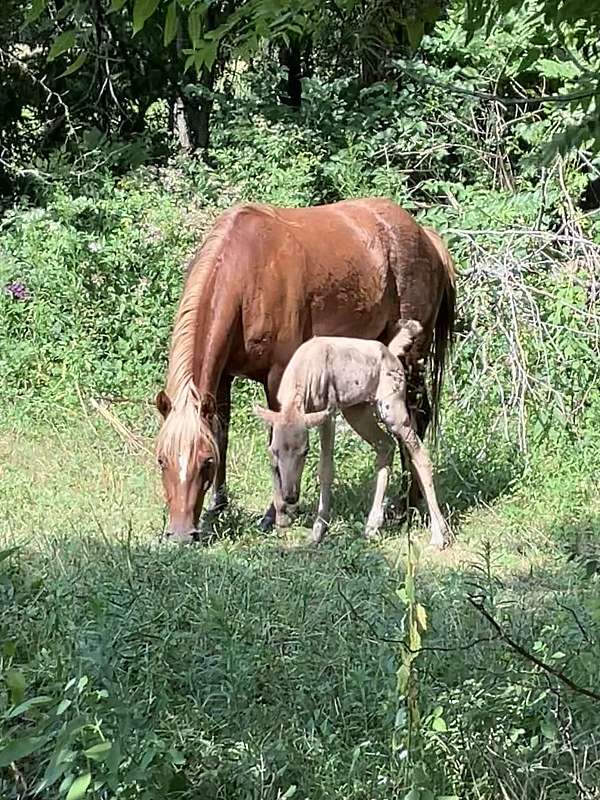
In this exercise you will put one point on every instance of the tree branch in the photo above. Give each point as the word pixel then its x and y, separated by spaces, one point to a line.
pixel 478 605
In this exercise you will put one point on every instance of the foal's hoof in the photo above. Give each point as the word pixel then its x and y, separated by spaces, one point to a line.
pixel 283 520
pixel 442 540
pixel 318 532
pixel 371 532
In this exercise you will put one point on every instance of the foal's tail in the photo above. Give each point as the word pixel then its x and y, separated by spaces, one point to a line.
pixel 444 325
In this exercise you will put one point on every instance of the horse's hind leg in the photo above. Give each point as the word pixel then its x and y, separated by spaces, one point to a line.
pixel 394 414
pixel 326 471
pixel 364 421
pixel 219 499
pixel 420 416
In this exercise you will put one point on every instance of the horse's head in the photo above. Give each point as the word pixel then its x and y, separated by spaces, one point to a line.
pixel 187 455
pixel 288 450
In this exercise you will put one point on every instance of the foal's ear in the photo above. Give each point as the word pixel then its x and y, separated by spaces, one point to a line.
pixel 268 416
pixel 163 403
pixel 315 418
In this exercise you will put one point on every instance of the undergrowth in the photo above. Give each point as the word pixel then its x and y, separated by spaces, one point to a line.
pixel 255 667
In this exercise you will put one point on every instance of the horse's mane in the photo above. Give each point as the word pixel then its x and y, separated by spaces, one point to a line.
pixel 191 306
pixel 185 426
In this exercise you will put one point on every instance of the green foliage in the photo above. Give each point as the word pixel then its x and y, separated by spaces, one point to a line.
pixel 104 272
pixel 258 668
pixel 255 665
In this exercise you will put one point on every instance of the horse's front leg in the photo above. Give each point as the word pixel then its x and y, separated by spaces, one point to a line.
pixel 219 498
pixel 271 386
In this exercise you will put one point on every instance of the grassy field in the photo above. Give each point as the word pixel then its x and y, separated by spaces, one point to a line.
pixel 257 667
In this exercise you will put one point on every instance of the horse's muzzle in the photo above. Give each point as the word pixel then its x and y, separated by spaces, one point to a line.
pixel 181 537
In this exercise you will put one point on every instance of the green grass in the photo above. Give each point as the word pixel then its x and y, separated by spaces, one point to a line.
pixel 253 665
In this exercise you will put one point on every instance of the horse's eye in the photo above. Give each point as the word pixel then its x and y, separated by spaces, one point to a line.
pixel 161 462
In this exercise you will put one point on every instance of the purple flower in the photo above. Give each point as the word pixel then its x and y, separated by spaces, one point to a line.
pixel 17 290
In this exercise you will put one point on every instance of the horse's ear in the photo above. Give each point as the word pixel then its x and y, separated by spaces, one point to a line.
pixel 315 418
pixel 163 403
pixel 208 407
pixel 268 416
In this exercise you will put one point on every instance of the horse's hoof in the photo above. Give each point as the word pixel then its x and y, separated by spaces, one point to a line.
pixel 218 503
pixel 266 524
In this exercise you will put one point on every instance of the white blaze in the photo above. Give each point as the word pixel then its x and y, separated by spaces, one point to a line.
pixel 183 465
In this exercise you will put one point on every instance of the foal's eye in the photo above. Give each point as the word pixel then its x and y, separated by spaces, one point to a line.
pixel 161 462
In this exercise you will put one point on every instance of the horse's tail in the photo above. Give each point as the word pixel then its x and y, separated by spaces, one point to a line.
pixel 444 326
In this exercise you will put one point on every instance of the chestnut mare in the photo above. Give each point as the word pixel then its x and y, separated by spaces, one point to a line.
pixel 264 281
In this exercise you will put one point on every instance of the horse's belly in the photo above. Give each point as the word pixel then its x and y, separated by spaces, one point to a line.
pixel 354 310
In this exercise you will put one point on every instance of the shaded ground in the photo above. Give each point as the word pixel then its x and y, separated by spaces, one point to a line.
pixel 255 665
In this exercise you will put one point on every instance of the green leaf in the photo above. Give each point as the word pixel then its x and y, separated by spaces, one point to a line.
pixel 403 675
pixel 548 729
pixel 557 69
pixel 289 792
pixel 19 748
pixel 117 5
pixel 98 752
pixel 415 30
pixel 195 26
pixel 15 683
pixel 439 725
pixel 62 706
pixel 4 554
pixel 37 7
pixel 62 43
pixel 170 24
pixel 9 649
pixel 79 62
pixel 79 787
pixel 23 707
pixel 142 11
pixel 421 616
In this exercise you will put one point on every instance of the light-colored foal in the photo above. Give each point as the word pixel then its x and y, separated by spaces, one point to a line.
pixel 365 381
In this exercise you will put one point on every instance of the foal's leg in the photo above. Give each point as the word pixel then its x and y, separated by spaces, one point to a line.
pixel 326 471
pixel 364 421
pixel 219 499
pixel 395 416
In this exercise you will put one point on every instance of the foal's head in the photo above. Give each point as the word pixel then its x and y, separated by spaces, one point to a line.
pixel 288 450
pixel 187 455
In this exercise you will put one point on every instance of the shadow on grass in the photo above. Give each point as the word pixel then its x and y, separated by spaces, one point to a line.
pixel 241 671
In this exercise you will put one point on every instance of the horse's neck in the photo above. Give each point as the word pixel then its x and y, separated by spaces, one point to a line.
pixel 202 357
